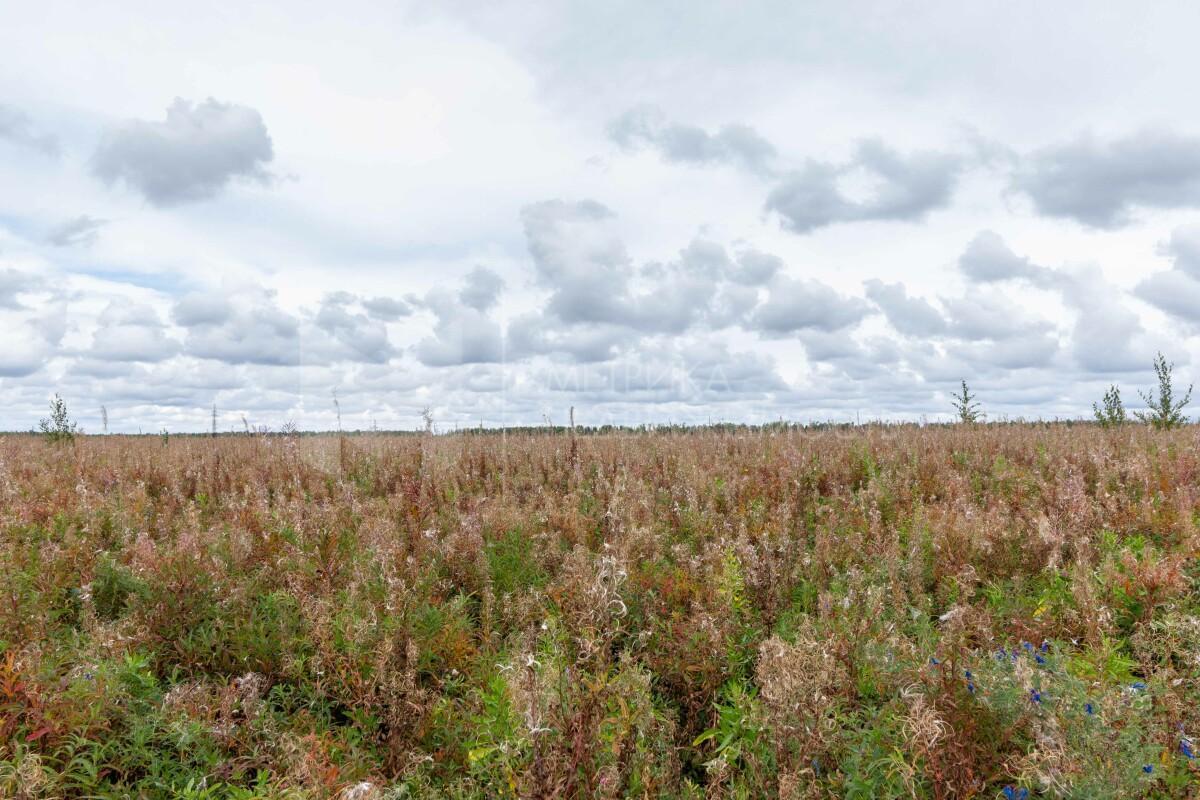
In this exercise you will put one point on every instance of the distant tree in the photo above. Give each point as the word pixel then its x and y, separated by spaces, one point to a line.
pixel 965 406
pixel 58 427
pixel 1112 413
pixel 1164 411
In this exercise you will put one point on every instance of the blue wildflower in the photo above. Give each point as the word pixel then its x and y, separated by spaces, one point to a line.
pixel 967 674
pixel 1035 695
pixel 1028 647
pixel 1089 708
pixel 1001 654
pixel 1137 686
pixel 1013 793
pixel 1185 747
pixel 1038 658
pixel 971 687
pixel 934 661
pixel 1045 646
pixel 1148 769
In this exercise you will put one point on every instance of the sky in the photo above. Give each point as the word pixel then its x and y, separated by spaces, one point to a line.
pixel 650 212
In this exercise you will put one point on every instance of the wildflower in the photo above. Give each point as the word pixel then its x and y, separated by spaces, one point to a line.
pixel 1089 708
pixel 1013 793
pixel 934 661
pixel 1035 695
pixel 1148 769
pixel 967 674
pixel 1045 645
pixel 971 687
pixel 1028 647
pixel 1001 654
pixel 1039 659
pixel 1185 747
pixel 1137 686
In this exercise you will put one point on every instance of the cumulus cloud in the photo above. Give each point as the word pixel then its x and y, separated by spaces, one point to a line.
pixel 796 304
pixel 247 327
pixel 387 309
pixel 14 283
pixel 1035 348
pixel 913 316
pixel 737 145
pixel 755 268
pixel 1100 184
pixel 16 127
pixel 989 315
pixel 1177 291
pixel 988 259
pixel 25 354
pixel 592 282
pixel 81 230
pixel 191 155
pixel 481 289
pixel 128 331
pixel 906 188
pixel 463 333
pixel 1107 336
pixel 363 338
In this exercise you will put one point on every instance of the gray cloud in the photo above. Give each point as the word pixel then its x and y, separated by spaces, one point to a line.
pixel 1024 351
pixel 131 332
pixel 989 315
pixel 201 308
pixel 907 188
pixel 1107 335
pixel 1100 184
pixel 1176 291
pixel 481 289
pixel 14 283
pixel 913 316
pixel 191 155
pixel 989 259
pixel 81 230
pixel 798 304
pixel 387 309
pixel 737 145
pixel 590 276
pixel 463 334
pixel 363 338
pixel 248 328
pixel 755 268
pixel 18 128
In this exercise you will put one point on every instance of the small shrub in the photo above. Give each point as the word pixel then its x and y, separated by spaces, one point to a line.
pixel 58 427
pixel 1112 413
pixel 965 406
pixel 1164 411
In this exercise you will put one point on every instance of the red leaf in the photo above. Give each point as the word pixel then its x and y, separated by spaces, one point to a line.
pixel 39 733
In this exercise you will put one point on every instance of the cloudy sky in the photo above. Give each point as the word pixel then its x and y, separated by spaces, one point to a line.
pixel 651 212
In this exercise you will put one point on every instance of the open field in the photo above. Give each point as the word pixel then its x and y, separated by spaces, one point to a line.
pixel 878 612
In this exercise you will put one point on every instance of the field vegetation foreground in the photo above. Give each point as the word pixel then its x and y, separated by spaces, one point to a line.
pixel 997 611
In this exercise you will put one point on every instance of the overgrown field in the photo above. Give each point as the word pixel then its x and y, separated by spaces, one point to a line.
pixel 877 612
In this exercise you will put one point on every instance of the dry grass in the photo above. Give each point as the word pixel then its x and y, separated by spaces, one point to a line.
pixel 715 614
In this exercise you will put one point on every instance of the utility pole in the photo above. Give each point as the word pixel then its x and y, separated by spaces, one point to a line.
pixel 104 419
pixel 214 420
